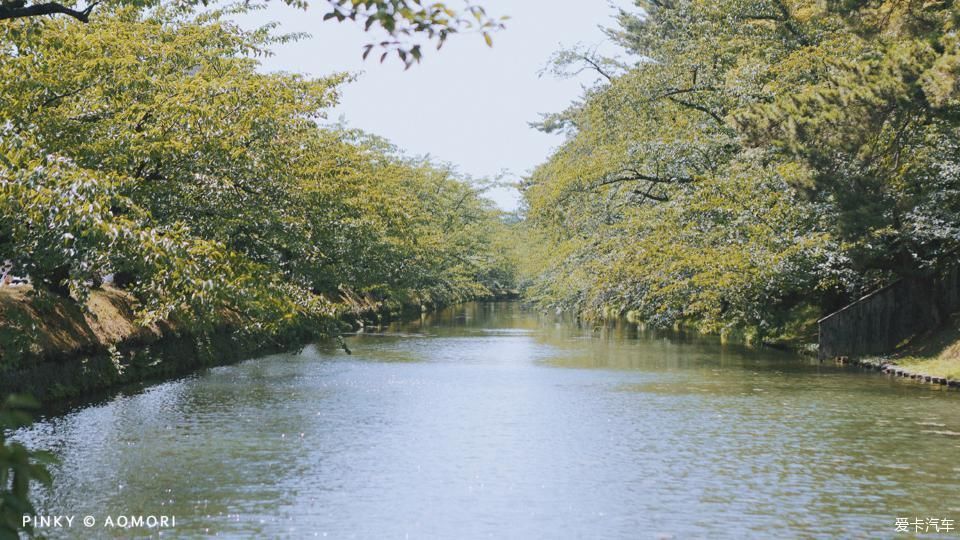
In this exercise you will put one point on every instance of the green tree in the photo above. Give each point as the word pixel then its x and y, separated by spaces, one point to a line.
pixel 206 186
pixel 725 180
pixel 873 109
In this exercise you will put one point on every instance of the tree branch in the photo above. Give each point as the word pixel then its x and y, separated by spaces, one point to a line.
pixel 597 67
pixel 52 8
pixel 652 180
pixel 677 91
pixel 648 195
pixel 637 176
pixel 57 97
pixel 697 107
pixel 785 19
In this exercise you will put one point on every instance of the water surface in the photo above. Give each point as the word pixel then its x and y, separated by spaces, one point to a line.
pixel 487 420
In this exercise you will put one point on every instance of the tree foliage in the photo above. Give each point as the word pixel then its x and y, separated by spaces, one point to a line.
pixel 19 468
pixel 147 145
pixel 760 156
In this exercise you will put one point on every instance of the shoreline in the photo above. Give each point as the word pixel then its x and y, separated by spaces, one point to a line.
pixel 892 369
pixel 75 355
pixel 59 353
pixel 930 358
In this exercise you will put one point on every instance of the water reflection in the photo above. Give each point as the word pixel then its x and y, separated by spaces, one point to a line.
pixel 488 420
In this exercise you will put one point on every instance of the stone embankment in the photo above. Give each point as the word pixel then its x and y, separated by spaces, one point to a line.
pixel 889 367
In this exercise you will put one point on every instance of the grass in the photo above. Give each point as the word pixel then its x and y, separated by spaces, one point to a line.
pixel 55 327
pixel 937 355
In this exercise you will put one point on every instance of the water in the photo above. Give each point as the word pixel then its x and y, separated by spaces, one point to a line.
pixel 490 421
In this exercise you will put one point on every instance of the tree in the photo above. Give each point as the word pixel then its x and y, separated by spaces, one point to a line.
pixel 659 205
pixel 761 159
pixel 147 144
pixel 169 160
pixel 874 110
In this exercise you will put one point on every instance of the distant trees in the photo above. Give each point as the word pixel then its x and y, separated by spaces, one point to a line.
pixel 761 157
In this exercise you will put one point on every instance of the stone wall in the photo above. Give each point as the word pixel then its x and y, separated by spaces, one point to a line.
pixel 879 322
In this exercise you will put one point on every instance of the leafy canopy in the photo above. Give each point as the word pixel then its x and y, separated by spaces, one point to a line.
pixel 758 157
pixel 206 187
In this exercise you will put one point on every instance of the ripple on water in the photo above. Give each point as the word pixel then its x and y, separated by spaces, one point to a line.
pixel 491 421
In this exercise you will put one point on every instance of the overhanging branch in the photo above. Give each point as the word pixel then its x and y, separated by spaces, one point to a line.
pixel 52 8
pixel 698 107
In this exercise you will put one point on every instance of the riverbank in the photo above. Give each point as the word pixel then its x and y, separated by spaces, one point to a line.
pixel 932 358
pixel 501 418
pixel 56 351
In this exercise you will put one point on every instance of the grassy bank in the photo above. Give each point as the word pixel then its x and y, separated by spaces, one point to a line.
pixel 937 355
pixel 56 350
pixel 932 358
pixel 35 328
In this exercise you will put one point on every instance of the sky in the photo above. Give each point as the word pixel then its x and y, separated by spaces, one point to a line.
pixel 468 104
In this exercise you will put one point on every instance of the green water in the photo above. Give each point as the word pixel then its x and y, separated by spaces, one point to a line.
pixel 490 421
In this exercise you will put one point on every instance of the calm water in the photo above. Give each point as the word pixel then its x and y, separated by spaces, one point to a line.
pixel 489 421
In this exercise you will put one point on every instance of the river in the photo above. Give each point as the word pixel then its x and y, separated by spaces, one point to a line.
pixel 488 420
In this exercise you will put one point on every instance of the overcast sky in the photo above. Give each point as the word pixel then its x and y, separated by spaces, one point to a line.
pixel 466 104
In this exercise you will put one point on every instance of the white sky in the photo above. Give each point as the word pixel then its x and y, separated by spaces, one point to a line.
pixel 466 104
